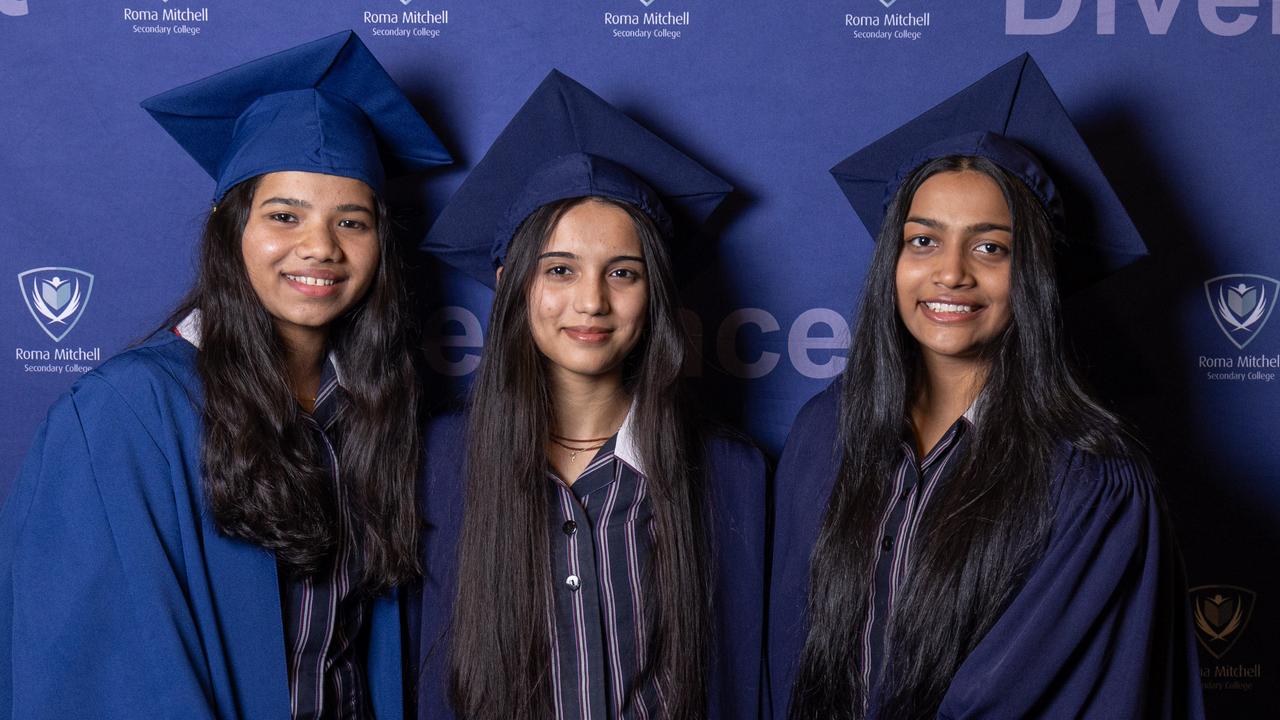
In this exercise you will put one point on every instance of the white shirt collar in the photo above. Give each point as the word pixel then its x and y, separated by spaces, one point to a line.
pixel 625 448
pixel 189 330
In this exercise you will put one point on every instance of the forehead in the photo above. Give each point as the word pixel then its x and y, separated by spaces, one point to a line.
pixel 964 197
pixel 594 228
pixel 314 187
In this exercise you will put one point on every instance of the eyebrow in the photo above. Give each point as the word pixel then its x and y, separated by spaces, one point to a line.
pixel 571 256
pixel 976 228
pixel 291 202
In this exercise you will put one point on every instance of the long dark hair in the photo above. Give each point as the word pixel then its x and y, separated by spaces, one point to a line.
pixel 988 523
pixel 261 474
pixel 500 656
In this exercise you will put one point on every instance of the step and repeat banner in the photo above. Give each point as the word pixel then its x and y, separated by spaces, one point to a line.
pixel 1178 99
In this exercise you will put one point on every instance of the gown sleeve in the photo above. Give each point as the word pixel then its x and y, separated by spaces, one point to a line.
pixel 801 488
pixel 91 611
pixel 738 490
pixel 1100 629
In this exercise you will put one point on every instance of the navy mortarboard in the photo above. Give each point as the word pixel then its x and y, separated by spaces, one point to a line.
pixel 566 142
pixel 1013 118
pixel 326 107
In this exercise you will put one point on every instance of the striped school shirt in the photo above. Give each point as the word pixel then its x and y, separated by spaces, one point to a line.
pixel 913 486
pixel 601 539
pixel 324 619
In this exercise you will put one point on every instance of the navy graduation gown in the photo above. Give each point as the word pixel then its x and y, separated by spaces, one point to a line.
pixel 1099 629
pixel 118 597
pixel 737 482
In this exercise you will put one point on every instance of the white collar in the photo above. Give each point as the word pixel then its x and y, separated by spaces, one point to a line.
pixel 625 448
pixel 189 330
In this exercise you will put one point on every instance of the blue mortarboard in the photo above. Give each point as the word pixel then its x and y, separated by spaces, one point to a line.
pixel 1013 118
pixel 566 142
pixel 327 107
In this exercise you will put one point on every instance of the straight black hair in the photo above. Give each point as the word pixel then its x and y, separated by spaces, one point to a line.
pixel 500 653
pixel 989 522
pixel 262 478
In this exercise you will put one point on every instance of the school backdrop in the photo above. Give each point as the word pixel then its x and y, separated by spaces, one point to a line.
pixel 99 208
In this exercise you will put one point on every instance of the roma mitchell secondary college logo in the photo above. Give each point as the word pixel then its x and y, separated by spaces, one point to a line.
pixel 1241 304
pixel 56 297
pixel 14 8
pixel 1221 614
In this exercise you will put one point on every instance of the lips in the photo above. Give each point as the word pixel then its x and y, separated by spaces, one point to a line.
pixel 588 334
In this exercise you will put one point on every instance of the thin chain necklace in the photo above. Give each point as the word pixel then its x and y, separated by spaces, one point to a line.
pixel 573 451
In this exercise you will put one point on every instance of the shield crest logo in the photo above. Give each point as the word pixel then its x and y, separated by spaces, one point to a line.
pixel 56 297
pixel 1241 304
pixel 1221 614
pixel 13 8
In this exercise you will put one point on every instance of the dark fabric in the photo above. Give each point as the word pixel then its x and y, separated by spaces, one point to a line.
pixel 737 480
pixel 324 618
pixel 1015 102
pixel 563 118
pixel 1100 628
pixel 326 106
pixel 119 599
pixel 914 484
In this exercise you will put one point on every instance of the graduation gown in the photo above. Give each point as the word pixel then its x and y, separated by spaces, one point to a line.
pixel 1099 629
pixel 118 597
pixel 737 481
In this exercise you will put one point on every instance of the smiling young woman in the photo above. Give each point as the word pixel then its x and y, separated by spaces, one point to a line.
pixel 212 524
pixel 961 530
pixel 609 559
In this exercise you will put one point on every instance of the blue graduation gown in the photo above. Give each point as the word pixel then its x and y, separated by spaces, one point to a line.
pixel 118 597
pixel 738 475
pixel 1100 628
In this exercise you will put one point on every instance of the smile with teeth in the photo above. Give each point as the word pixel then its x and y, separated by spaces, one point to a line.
pixel 307 280
pixel 941 307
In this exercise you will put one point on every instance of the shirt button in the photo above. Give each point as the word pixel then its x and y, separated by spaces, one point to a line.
pixel 573 582
pixel 570 527
pixel 887 543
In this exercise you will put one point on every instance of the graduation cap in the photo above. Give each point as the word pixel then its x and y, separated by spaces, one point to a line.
pixel 326 107
pixel 1013 118
pixel 566 142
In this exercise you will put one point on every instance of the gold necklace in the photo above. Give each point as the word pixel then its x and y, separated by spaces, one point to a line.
pixel 575 450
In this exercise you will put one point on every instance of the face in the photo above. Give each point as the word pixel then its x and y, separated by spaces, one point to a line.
pixel 590 293
pixel 953 268
pixel 311 249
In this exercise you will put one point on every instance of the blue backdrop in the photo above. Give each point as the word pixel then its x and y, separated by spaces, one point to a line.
pixel 99 209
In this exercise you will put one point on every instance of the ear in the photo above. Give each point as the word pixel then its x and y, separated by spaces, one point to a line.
pixel 497 274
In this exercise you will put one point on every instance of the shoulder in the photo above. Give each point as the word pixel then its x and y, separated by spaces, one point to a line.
pixel 1080 475
pixel 821 410
pixel 165 360
pixel 153 382
pixel 728 450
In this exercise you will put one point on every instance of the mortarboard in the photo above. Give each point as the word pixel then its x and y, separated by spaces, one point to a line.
pixel 566 142
pixel 1013 118
pixel 327 107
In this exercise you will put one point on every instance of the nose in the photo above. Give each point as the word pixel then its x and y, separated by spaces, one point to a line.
pixel 591 296
pixel 952 270
pixel 319 244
